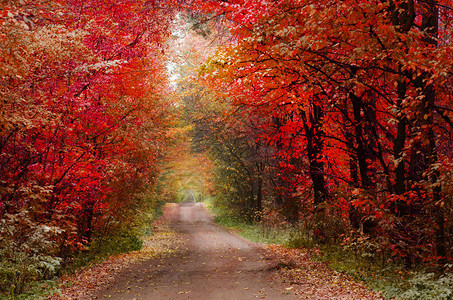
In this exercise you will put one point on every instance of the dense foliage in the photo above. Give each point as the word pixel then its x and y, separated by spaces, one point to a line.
pixel 335 116
pixel 84 110
pixel 353 101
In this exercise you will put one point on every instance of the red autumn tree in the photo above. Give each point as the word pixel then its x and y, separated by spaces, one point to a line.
pixel 355 97
pixel 85 107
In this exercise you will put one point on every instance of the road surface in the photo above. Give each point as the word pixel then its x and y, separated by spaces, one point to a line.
pixel 212 264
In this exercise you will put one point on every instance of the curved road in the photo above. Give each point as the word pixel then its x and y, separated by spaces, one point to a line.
pixel 215 264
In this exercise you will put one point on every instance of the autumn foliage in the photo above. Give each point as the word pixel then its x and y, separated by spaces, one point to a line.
pixel 333 114
pixel 350 103
pixel 84 109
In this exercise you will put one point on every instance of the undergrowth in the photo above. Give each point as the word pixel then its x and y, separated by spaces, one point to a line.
pixel 104 248
pixel 26 273
pixel 393 280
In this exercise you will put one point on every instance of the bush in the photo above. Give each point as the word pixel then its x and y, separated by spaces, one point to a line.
pixel 299 237
pixel 123 244
pixel 425 286
pixel 271 222
pixel 27 253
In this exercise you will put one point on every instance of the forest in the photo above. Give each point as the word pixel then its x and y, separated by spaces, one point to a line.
pixel 329 118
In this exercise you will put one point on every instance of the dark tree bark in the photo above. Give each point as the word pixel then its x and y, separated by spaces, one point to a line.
pixel 315 144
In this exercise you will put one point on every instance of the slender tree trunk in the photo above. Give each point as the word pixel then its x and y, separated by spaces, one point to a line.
pixel 259 194
pixel 315 144
pixel 360 150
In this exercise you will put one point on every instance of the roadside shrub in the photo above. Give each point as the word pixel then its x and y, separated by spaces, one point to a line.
pixel 427 287
pixel 299 237
pixel 271 222
pixel 101 248
pixel 327 224
pixel 27 251
pixel 122 243
pixel 364 248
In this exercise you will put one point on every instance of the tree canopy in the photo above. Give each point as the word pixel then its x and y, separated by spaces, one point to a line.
pixel 334 114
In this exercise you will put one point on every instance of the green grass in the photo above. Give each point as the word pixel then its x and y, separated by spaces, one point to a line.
pixel 36 291
pixel 102 249
pixel 252 232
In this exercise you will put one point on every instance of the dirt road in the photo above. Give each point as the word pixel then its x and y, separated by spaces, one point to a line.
pixel 212 264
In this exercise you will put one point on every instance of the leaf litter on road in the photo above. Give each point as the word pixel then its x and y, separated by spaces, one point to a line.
pixel 85 283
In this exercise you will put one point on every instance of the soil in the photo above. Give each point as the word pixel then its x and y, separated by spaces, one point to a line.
pixel 210 263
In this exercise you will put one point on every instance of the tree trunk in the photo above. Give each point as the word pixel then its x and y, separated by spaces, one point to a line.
pixel 314 135
pixel 360 150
